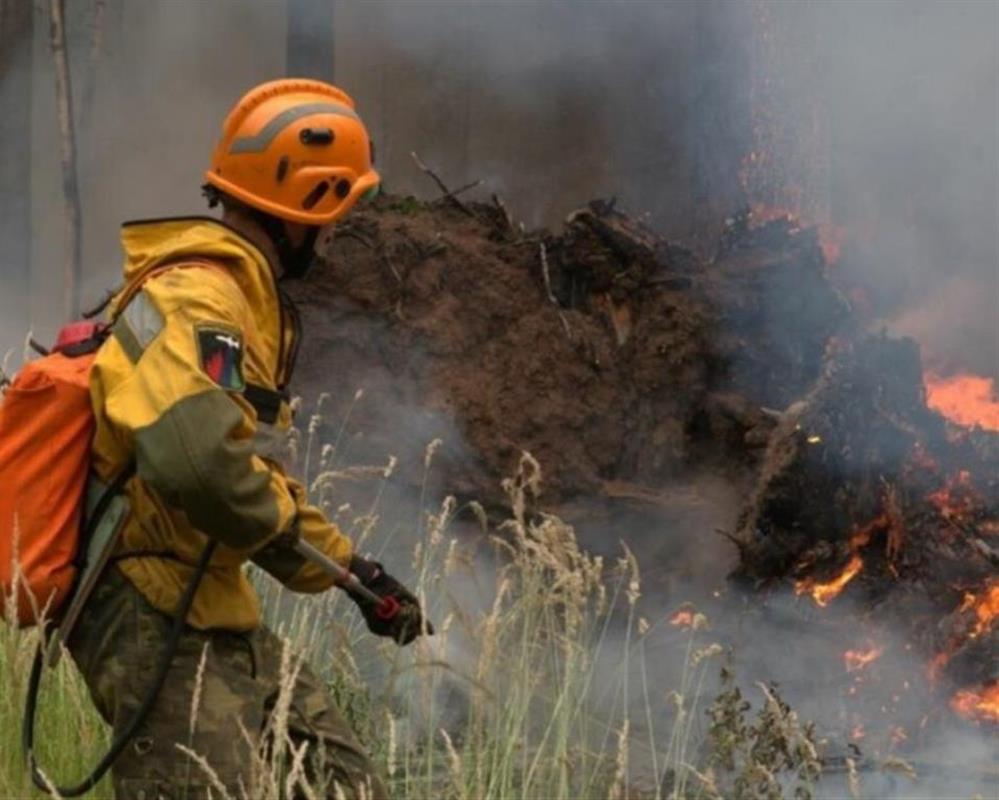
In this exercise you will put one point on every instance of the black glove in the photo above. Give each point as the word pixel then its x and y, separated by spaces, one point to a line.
pixel 407 623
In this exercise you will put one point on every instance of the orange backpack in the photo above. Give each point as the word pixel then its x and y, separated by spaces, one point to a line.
pixel 46 432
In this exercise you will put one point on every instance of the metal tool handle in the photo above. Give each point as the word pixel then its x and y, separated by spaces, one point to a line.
pixel 385 607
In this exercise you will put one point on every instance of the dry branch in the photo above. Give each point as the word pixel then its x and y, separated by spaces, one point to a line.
pixel 548 290
pixel 501 206
pixel 448 194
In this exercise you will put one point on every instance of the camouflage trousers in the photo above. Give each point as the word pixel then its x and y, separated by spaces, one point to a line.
pixel 117 645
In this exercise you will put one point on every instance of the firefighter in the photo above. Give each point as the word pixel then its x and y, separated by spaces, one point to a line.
pixel 190 391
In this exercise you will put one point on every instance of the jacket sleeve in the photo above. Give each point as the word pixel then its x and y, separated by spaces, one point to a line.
pixel 278 559
pixel 193 438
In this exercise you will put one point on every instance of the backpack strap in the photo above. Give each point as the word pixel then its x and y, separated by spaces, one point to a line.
pixel 266 402
pixel 133 287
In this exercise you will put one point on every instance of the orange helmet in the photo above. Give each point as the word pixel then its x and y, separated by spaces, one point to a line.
pixel 295 149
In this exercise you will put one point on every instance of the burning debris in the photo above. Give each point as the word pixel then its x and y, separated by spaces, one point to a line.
pixel 864 490
pixel 623 361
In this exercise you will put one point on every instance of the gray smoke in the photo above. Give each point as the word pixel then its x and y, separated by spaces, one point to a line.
pixel 886 115
pixel 882 115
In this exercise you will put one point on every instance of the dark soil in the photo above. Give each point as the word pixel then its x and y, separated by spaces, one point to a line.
pixel 636 362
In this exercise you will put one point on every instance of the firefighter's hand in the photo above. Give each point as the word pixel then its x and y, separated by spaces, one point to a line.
pixel 407 623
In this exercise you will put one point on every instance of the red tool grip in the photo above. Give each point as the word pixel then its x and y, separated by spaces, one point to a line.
pixel 387 608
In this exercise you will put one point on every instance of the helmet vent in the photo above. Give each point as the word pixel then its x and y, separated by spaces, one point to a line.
pixel 282 168
pixel 315 195
pixel 320 136
pixel 342 188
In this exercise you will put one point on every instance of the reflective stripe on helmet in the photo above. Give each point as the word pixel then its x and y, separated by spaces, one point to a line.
pixel 260 141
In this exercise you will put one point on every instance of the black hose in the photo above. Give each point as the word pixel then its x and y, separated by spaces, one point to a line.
pixel 121 742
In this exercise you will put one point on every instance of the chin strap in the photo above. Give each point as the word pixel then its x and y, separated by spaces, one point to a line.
pixel 295 261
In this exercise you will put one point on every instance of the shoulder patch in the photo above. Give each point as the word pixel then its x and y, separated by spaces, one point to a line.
pixel 220 353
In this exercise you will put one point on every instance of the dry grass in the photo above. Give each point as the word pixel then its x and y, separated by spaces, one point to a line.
pixel 512 698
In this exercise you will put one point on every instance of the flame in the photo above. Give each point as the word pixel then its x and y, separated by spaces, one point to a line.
pixel 855 660
pixel 824 592
pixel 986 608
pixel 982 704
pixel 964 399
pixel 683 618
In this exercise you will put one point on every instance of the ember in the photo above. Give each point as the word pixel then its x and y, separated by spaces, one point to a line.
pixel 964 399
pixel 682 619
pixel 855 660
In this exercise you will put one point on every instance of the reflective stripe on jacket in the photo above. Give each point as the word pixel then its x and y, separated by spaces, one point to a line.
pixel 170 390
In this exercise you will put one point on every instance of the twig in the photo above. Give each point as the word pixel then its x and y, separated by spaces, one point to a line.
pixel 448 194
pixel 498 202
pixel 5 379
pixel 988 553
pixel 731 537
pixel 546 275
pixel 467 187
pixel 70 185
pixel 548 289
pixel 388 263
pixel 399 279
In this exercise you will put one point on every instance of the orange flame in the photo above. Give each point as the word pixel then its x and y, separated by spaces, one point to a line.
pixel 982 704
pixel 964 399
pixel 823 593
pixel 855 660
pixel 986 609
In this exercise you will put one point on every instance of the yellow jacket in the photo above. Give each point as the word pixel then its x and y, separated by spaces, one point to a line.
pixel 190 385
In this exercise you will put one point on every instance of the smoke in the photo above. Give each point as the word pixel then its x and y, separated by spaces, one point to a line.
pixel 884 118
pixel 879 117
